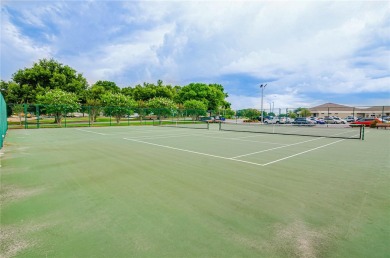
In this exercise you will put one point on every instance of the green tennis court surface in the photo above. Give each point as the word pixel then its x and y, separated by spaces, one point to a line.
pixel 148 191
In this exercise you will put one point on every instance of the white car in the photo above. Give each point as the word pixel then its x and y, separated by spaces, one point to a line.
pixel 350 119
pixel 275 120
pixel 338 120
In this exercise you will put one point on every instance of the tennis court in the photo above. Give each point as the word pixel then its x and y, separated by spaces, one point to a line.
pixel 159 191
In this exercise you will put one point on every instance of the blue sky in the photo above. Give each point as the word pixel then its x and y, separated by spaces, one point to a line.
pixel 308 52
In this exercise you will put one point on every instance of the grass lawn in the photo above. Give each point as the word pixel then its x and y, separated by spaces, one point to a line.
pixel 161 192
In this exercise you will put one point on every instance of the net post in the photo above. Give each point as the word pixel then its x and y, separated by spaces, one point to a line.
pixel 362 132
pixel 220 127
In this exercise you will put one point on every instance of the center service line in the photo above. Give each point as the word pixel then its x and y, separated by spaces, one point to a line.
pixel 302 152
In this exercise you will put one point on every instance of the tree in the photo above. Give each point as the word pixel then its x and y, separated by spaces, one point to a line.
pixel 150 91
pixel 128 91
pixel 161 106
pixel 195 108
pixel 212 95
pixel 59 103
pixel 108 86
pixel 93 100
pixel 292 115
pixel 46 75
pixel 19 94
pixel 251 113
pixel 305 112
pixel 117 105
pixel 18 109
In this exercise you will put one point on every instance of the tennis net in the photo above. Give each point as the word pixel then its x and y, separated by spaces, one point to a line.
pixel 342 132
pixel 182 124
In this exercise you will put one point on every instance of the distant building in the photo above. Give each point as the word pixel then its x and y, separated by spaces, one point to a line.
pixel 332 109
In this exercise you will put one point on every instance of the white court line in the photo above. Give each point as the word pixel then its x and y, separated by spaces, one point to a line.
pixel 275 148
pixel 173 148
pixel 91 132
pixel 195 152
pixel 266 164
pixel 161 136
pixel 234 159
pixel 239 139
pixel 250 136
pixel 199 135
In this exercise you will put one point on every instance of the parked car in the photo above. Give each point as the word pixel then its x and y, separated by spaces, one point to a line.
pixel 275 120
pixel 329 120
pixel 366 121
pixel 303 120
pixel 206 118
pixel 386 119
pixel 265 118
pixel 350 119
pixel 338 120
pixel 320 121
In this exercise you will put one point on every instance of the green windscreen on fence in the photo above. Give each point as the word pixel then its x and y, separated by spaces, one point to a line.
pixel 343 131
pixel 3 120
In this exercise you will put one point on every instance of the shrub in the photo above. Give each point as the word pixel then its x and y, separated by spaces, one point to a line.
pixel 373 124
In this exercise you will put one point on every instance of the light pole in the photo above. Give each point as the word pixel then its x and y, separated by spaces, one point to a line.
pixel 262 95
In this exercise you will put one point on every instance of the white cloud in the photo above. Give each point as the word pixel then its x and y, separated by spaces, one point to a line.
pixel 290 99
pixel 112 60
pixel 315 48
pixel 17 50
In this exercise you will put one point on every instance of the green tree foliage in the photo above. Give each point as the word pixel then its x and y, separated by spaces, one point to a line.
pixel 150 91
pixel 128 91
pixel 212 95
pixel 195 108
pixel 48 74
pixel 305 112
pixel 18 110
pixel 15 93
pixel 59 103
pixel 292 114
pixel 93 100
pixel 117 105
pixel 162 106
pixel 251 113
pixel 108 86
pixel 228 113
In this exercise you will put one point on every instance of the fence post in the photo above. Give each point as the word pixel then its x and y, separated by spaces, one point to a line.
pixel 25 116
pixel 89 116
pixel 109 111
pixel 383 112
pixel 37 110
pixel 65 117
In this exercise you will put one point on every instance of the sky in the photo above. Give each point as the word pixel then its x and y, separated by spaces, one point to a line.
pixel 307 52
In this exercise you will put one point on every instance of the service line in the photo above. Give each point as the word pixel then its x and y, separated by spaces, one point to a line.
pixel 195 152
pixel 256 152
pixel 91 132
